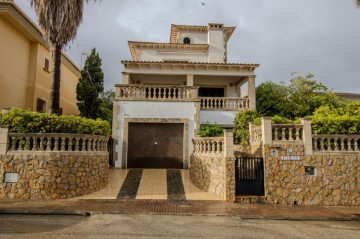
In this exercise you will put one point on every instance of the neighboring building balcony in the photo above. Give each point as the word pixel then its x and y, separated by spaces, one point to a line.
pixel 167 93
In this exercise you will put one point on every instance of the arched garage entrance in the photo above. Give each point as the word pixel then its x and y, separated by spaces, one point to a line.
pixel 155 145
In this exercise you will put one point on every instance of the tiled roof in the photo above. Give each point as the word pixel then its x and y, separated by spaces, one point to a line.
pixel 191 63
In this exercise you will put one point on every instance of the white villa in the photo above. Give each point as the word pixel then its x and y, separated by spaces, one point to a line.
pixel 169 89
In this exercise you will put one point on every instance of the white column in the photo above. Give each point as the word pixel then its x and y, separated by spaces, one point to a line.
pixel 307 136
pixel 251 92
pixel 190 80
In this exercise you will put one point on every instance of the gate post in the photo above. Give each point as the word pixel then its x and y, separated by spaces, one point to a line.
pixel 3 139
pixel 229 166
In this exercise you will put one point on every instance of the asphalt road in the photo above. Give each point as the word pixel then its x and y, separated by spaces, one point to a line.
pixel 158 226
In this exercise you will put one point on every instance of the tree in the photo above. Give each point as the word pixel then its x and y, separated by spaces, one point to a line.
pixel 90 86
pixel 106 105
pixel 59 21
pixel 300 98
pixel 271 98
pixel 357 3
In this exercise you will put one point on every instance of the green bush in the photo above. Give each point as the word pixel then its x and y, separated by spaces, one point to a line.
pixel 24 121
pixel 282 120
pixel 211 130
pixel 241 125
pixel 337 120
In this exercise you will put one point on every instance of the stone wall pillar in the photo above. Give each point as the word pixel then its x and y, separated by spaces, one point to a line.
pixel 251 92
pixel 266 130
pixel 125 78
pixel 229 166
pixel 190 80
pixel 3 139
pixel 307 136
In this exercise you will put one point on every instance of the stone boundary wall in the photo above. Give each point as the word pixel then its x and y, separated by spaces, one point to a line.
pixel 53 175
pixel 207 173
pixel 336 181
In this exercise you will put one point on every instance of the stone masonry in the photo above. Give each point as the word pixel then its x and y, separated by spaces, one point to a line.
pixel 53 175
pixel 207 173
pixel 336 180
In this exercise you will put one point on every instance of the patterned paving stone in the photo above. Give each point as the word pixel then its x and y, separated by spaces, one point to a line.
pixel 175 186
pixel 131 184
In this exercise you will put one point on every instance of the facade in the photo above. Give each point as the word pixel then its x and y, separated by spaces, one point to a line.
pixel 169 89
pixel 25 65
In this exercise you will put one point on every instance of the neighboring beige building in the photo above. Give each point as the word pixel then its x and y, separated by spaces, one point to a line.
pixel 169 89
pixel 25 65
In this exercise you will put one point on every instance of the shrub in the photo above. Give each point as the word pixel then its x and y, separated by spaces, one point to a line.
pixel 241 125
pixel 24 121
pixel 211 130
pixel 337 120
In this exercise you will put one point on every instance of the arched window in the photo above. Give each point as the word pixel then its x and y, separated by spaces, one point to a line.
pixel 186 40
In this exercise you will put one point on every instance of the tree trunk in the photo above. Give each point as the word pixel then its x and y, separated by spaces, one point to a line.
pixel 55 87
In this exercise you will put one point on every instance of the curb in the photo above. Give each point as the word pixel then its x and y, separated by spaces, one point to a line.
pixel 45 212
pixel 244 217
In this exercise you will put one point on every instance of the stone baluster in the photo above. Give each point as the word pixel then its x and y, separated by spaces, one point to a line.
pixel 321 144
pixel 77 142
pixel 342 144
pixel 62 144
pixel 56 143
pixel 297 134
pixel 283 134
pixel 41 143
pixel 48 143
pixel 28 143
pixel 276 137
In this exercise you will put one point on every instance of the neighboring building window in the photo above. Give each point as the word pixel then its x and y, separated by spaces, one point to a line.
pixel 41 105
pixel 46 64
pixel 186 40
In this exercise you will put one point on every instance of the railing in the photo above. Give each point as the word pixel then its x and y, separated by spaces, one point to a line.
pixel 255 134
pixel 287 133
pixel 223 103
pixel 56 142
pixel 213 145
pixel 156 92
pixel 336 143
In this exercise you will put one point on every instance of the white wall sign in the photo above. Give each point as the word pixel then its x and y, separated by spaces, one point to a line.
pixel 290 157
pixel 11 177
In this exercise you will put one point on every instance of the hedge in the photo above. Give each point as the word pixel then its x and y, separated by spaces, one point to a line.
pixel 211 130
pixel 25 121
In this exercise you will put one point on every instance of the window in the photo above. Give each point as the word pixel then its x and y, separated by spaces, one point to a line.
pixel 46 64
pixel 211 92
pixel 186 40
pixel 41 105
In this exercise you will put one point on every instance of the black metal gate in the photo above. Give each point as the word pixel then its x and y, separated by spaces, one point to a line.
pixel 249 176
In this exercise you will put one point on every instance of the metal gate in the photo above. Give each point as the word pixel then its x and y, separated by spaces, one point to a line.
pixel 249 176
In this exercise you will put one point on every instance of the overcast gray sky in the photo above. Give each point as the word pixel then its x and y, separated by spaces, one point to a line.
pixel 321 37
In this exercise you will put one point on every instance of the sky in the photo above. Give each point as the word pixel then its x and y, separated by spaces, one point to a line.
pixel 287 38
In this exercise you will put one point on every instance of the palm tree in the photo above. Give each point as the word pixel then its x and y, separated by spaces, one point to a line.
pixel 59 21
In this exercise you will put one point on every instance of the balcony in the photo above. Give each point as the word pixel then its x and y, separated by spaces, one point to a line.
pixel 156 93
pixel 224 103
pixel 178 94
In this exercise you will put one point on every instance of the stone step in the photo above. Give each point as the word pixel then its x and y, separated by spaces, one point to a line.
pixel 250 199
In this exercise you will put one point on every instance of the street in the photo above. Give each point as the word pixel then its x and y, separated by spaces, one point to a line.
pixel 156 226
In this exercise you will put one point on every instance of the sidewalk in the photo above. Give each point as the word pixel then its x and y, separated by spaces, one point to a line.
pixel 183 207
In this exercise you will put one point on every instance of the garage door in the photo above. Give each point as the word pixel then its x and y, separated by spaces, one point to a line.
pixel 155 145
